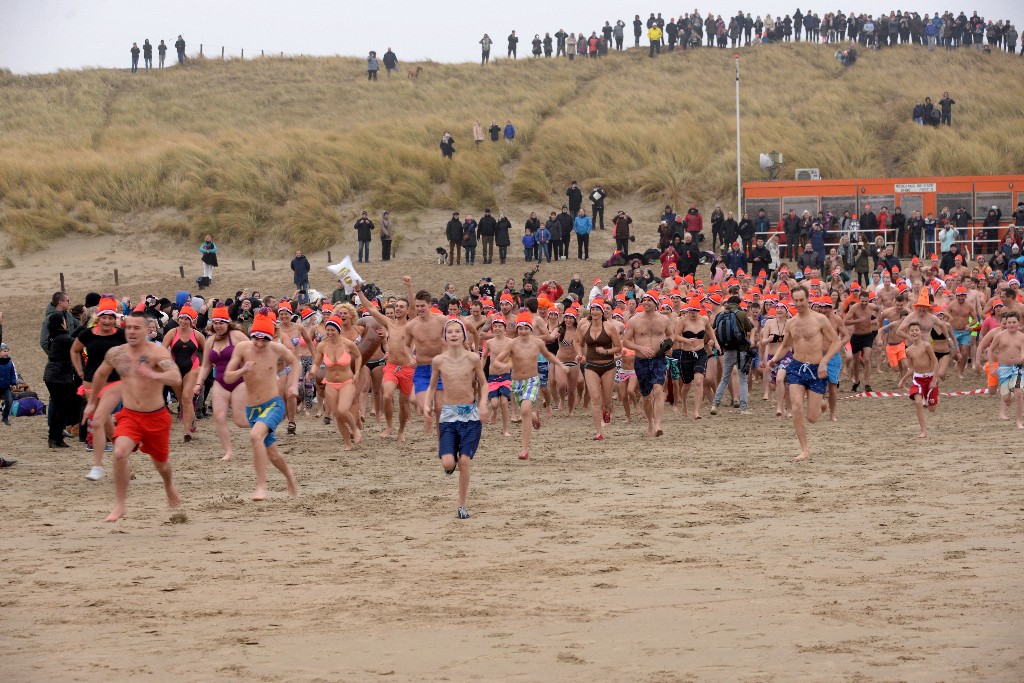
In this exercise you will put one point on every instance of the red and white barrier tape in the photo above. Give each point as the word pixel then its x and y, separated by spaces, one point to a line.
pixel 890 394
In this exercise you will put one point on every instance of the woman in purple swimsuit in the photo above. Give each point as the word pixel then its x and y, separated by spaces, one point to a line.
pixel 216 355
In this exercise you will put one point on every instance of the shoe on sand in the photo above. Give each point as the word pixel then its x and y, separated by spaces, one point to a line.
pixel 95 474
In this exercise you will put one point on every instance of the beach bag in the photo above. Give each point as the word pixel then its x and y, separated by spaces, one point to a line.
pixel 27 406
pixel 727 329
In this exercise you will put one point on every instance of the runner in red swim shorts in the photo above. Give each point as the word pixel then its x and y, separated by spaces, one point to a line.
pixel 144 423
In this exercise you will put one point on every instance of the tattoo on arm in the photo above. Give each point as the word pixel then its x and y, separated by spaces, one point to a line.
pixel 166 364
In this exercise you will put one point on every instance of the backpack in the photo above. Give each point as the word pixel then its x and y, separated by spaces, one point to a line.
pixel 28 406
pixel 730 334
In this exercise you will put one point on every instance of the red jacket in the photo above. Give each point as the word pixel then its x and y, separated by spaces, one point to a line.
pixel 694 222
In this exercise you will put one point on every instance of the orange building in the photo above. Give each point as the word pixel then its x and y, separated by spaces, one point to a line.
pixel 927 195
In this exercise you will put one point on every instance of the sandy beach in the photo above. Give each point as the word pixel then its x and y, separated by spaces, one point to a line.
pixel 705 555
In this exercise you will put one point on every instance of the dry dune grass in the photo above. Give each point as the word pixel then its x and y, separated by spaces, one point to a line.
pixel 274 148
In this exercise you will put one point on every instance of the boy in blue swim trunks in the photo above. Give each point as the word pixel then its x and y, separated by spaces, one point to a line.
pixel 256 362
pixel 424 334
pixel 807 375
pixel 463 411
pixel 835 364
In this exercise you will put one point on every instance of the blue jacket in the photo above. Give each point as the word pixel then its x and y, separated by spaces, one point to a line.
pixel 8 376
pixel 510 131
pixel 582 225
pixel 735 261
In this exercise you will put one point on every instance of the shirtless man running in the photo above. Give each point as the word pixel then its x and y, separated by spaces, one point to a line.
pixel 806 334
pixel 862 320
pixel 1007 349
pixel 424 334
pixel 960 314
pixel 144 423
pixel 398 370
pixel 524 350
pixel 650 335
pixel 463 414
pixel 256 361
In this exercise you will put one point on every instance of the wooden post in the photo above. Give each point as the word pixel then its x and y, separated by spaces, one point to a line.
pixel 62 288
pixel 181 269
pixel 329 259
pixel 222 53
pixel 116 282
pixel 254 264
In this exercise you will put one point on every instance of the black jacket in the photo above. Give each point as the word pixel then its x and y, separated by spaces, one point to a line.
pixel 689 258
pixel 575 196
pixel 364 229
pixel 898 222
pixel 565 220
pixel 760 259
pixel 59 369
pixel 485 228
pixel 597 196
pixel 453 231
pixel 730 230
pixel 501 230
pixel 576 287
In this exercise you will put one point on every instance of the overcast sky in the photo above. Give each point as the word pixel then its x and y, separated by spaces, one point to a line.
pixel 38 36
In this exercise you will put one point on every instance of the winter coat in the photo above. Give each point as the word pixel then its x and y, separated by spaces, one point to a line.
pixel 485 228
pixel 621 231
pixel 59 369
pixel 582 225
pixel 453 231
pixel 501 232
pixel 364 229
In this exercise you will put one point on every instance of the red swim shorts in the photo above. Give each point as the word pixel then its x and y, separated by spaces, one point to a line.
pixel 401 376
pixel 151 432
pixel 923 385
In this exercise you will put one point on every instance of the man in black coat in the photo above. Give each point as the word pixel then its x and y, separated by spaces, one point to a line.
pixel 179 45
pixel 575 196
pixel 689 256
pixel 791 228
pixel 300 267
pixel 760 258
pixel 565 220
pixel 597 196
pixel 638 27
pixel 390 61
pixel 730 229
pixel 868 223
pixel 899 225
pixel 485 228
pixel 453 231
pixel 364 233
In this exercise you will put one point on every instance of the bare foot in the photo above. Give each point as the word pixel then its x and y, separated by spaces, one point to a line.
pixel 696 416
pixel 173 499
pixel 1020 425
pixel 1003 416
pixel 923 435
pixel 401 437
pixel 260 494
pixel 506 434
pixel 649 432
pixel 802 456
pixel 347 446
pixel 228 456
pixel 386 433
pixel 117 514
pixel 293 487
pixel 778 413
pixel 358 438
pixel 834 418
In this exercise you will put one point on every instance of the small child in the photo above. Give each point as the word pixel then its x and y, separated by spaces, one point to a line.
pixel 924 388
pixel 464 409
pixel 8 380
pixel 529 245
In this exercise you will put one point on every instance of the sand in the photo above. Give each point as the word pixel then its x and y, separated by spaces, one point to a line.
pixel 703 555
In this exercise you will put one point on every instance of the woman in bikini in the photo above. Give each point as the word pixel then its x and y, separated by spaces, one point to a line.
pixel 216 356
pixel 186 347
pixel 354 331
pixel 941 335
pixel 567 373
pixel 341 356
pixel 597 343
pixel 693 333
pixel 772 333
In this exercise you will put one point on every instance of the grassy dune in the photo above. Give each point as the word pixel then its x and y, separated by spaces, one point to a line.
pixel 282 149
